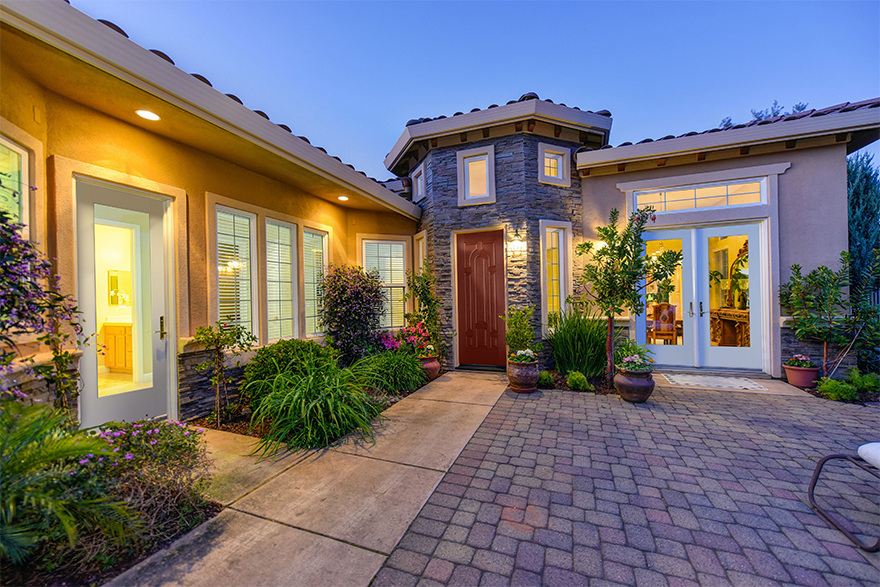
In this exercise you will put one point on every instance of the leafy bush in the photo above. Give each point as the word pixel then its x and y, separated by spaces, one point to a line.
pixel 391 372
pixel 352 308
pixel 226 339
pixel 867 383
pixel 313 409
pixel 578 341
pixel 840 391
pixel 520 335
pixel 545 380
pixel 285 356
pixel 578 382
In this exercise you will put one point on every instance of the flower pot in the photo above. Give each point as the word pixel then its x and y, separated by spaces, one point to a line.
pixel 431 365
pixel 801 376
pixel 634 386
pixel 523 377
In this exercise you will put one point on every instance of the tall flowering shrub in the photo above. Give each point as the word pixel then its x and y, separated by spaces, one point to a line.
pixel 353 305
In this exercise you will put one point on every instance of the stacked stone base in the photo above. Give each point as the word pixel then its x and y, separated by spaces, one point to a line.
pixel 813 349
pixel 196 391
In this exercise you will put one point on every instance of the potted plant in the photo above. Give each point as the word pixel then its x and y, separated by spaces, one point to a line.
pixel 418 336
pixel 801 371
pixel 633 380
pixel 522 360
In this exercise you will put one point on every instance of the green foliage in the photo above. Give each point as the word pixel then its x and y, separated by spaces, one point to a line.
pixel 40 497
pixel 393 372
pixel 627 349
pixel 616 273
pixel 839 391
pixel 545 380
pixel 578 341
pixel 353 303
pixel 520 335
pixel 578 382
pixel 285 356
pixel 314 409
pixel 867 383
pixel 422 287
pixel 225 339
pixel 775 110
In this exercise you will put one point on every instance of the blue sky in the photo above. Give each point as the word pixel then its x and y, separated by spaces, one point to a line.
pixel 348 75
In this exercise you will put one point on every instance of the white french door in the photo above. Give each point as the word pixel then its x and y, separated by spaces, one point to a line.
pixel 121 290
pixel 710 312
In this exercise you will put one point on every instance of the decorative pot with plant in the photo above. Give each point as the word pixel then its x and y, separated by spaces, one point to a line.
pixel 633 380
pixel 801 371
pixel 423 346
pixel 522 362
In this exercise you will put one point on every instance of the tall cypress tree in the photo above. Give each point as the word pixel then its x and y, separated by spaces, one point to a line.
pixel 863 188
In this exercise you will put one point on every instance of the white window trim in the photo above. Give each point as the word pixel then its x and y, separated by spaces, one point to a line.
pixel 326 243
pixel 419 173
pixel 26 182
pixel 762 181
pixel 566 270
pixel 419 259
pixel 489 152
pixel 407 259
pixel 564 166
pixel 256 264
pixel 293 269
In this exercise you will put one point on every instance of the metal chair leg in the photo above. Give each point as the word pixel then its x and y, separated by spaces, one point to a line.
pixel 825 515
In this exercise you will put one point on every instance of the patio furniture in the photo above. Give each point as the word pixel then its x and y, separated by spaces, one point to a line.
pixel 868 459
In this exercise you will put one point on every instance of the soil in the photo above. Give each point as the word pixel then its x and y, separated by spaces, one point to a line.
pixel 239 423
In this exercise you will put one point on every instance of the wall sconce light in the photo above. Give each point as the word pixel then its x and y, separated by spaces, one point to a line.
pixel 516 244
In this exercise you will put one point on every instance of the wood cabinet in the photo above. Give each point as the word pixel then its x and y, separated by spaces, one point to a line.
pixel 118 351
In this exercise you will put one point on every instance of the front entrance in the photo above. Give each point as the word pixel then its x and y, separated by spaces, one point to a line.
pixel 481 300
pixel 121 290
pixel 710 313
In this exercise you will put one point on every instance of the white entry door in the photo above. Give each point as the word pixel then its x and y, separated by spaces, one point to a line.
pixel 121 290
pixel 710 313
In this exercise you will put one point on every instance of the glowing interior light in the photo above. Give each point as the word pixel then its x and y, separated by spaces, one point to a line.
pixel 147 114
pixel 343 198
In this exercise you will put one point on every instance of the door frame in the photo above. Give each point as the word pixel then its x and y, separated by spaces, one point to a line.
pixel 505 230
pixel 63 174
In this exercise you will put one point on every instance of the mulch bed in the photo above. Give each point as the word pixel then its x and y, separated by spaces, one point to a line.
pixel 239 423
pixel 599 383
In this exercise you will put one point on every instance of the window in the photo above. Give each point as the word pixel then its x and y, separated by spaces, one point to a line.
pixel 716 195
pixel 389 259
pixel 14 181
pixel 419 183
pixel 314 263
pixel 554 165
pixel 236 280
pixel 280 283
pixel 420 242
pixel 555 270
pixel 476 176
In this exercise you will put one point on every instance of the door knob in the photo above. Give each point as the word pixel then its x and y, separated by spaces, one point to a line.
pixel 161 332
pixel 701 310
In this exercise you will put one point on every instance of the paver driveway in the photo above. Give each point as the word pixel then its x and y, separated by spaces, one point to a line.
pixel 693 487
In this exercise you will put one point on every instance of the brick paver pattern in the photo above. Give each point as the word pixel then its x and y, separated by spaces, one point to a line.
pixel 693 487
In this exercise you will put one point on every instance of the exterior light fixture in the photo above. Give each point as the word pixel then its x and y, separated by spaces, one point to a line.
pixel 517 245
pixel 147 115
pixel 343 198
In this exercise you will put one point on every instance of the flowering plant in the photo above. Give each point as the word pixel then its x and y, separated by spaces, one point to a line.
pixel 635 363
pixel 420 339
pixel 800 361
pixel 352 306
pixel 389 342
pixel 523 356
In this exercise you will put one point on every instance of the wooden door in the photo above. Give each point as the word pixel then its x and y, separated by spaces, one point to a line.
pixel 481 282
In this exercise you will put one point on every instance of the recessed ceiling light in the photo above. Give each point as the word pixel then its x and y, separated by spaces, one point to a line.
pixel 147 114
pixel 343 198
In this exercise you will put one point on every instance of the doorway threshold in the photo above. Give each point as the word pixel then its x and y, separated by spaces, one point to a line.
pixel 711 371
pixel 484 368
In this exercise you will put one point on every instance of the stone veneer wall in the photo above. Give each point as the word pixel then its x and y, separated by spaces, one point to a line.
pixel 196 391
pixel 813 349
pixel 521 201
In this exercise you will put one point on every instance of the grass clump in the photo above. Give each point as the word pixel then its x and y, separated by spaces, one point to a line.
pixel 285 356
pixel 577 337
pixel 578 382
pixel 392 372
pixel 545 380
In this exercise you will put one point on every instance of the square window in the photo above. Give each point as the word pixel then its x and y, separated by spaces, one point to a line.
pixel 476 176
pixel 554 165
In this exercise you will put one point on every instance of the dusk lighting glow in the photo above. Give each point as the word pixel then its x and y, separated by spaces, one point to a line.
pixel 343 198
pixel 148 115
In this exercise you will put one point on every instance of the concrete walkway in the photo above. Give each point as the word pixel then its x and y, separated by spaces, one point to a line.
pixel 327 517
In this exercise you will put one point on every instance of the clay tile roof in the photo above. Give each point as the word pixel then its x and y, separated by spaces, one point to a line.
pixel 525 97
pixel 109 24
pixel 202 79
pixel 234 97
pixel 162 55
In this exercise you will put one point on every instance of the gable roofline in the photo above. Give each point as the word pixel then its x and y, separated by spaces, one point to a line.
pixel 536 109
pixel 843 118
pixel 59 25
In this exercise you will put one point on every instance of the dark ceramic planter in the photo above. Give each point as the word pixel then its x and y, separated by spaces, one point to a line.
pixel 801 376
pixel 634 386
pixel 523 377
pixel 431 365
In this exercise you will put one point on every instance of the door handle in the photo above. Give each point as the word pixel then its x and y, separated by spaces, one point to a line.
pixel 161 332
pixel 701 310
pixel 691 309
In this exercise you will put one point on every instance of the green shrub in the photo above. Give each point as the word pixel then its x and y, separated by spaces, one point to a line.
pixel 353 303
pixel 285 356
pixel 313 409
pixel 519 334
pixel 867 383
pixel 839 391
pixel 578 341
pixel 578 382
pixel 391 372
pixel 545 380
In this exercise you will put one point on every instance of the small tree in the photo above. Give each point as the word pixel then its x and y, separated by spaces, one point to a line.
pixel 422 287
pixel 618 271
pixel 220 341
pixel 353 306
pixel 519 334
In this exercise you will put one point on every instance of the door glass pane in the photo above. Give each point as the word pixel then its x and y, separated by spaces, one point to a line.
pixel 664 300
pixel 123 307
pixel 729 291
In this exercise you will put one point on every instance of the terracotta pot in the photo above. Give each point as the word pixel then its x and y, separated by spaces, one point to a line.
pixel 634 386
pixel 523 377
pixel 802 376
pixel 431 365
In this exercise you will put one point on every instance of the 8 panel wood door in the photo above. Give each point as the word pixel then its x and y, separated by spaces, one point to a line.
pixel 481 282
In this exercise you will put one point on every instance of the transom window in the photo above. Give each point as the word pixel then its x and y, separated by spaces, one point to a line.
pixel 389 259
pixel 314 263
pixel 716 195
pixel 14 186
pixel 235 275
pixel 280 283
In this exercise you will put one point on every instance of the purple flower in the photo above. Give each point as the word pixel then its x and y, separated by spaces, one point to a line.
pixel 84 461
pixel 128 456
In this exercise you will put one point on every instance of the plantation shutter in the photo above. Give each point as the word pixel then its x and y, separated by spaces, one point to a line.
pixel 280 258
pixel 234 277
pixel 314 254
pixel 388 258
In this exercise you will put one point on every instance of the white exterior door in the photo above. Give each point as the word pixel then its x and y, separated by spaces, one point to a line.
pixel 121 291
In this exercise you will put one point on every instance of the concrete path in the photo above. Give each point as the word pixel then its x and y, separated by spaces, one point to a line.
pixel 327 517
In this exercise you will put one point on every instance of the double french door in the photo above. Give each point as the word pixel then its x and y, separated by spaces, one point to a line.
pixel 710 312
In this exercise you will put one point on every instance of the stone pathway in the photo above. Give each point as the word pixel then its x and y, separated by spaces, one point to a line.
pixel 694 487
